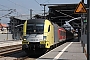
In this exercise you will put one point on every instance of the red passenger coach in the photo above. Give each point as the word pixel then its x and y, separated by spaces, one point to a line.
pixel 62 34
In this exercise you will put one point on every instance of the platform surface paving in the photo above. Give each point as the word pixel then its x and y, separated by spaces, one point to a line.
pixel 10 43
pixel 67 51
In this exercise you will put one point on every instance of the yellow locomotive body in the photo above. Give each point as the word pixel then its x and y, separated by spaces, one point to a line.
pixel 39 34
pixel 48 36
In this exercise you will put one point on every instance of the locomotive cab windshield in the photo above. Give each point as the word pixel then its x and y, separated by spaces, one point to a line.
pixel 35 28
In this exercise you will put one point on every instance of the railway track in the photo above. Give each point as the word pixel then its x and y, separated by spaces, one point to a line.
pixel 9 49
pixel 14 53
pixel 16 56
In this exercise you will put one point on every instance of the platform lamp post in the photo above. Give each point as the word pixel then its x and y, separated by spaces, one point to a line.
pixel 31 13
pixel 82 26
pixel 88 30
pixel 7 33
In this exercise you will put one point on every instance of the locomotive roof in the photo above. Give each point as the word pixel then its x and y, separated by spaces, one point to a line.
pixel 36 20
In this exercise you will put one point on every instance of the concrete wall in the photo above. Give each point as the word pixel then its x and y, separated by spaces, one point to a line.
pixel 4 30
pixel 5 37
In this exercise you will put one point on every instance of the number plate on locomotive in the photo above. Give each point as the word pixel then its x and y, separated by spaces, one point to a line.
pixel 25 42
pixel 42 42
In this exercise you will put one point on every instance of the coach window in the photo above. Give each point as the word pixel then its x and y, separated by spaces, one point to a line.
pixel 61 33
pixel 64 33
pixel 49 28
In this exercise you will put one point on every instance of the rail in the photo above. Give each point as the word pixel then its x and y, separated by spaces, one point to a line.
pixel 9 49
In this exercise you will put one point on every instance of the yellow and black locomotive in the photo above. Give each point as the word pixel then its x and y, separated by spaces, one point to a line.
pixel 40 34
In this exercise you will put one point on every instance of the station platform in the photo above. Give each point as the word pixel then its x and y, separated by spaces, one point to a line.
pixel 10 43
pixel 67 51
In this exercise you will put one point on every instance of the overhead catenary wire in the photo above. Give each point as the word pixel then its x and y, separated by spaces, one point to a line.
pixel 6 10
pixel 4 6
pixel 18 4
pixel 29 15
pixel 46 1
pixel 64 14
pixel 37 2
pixel 40 5
pixel 0 8
pixel 23 6
pixel 7 14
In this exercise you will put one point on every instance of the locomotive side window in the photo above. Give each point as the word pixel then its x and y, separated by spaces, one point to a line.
pixel 49 28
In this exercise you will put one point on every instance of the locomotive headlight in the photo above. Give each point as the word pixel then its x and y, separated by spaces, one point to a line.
pixel 24 39
pixel 44 37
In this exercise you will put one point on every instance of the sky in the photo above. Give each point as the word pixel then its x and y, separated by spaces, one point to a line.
pixel 22 7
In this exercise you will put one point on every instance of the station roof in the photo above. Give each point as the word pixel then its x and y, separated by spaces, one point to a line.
pixel 3 25
pixel 59 13
pixel 17 22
